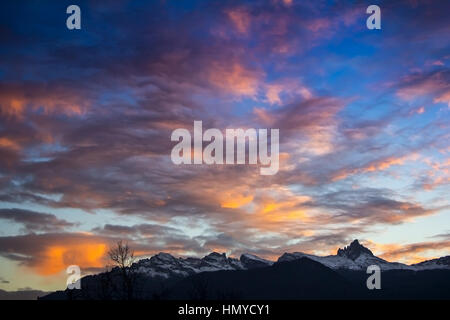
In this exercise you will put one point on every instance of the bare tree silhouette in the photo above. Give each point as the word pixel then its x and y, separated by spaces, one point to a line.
pixel 122 257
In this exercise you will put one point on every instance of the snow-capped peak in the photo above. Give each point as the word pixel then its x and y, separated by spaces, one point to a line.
pixel 352 257
pixel 162 256
pixel 165 265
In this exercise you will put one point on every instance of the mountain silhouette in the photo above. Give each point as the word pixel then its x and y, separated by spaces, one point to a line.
pixel 293 276
pixel 354 250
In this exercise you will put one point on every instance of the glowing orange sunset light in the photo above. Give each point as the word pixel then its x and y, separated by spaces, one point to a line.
pixel 59 257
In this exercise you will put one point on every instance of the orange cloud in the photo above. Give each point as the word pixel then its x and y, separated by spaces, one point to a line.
pixel 273 94
pixel 240 19
pixel 58 257
pixel 378 165
pixel 236 79
pixel 287 87
pixel 409 253
pixel 276 206
pixel 16 99
pixel 421 110
pixel 9 144
pixel 264 116
pixel 234 201
pixel 438 175
pixel 51 253
pixel 282 211
pixel 443 98
pixel 434 85
pixel 319 24
pixel 14 107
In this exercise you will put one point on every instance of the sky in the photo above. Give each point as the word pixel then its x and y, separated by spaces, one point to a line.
pixel 86 118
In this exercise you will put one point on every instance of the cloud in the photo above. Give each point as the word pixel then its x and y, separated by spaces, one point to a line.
pixel 438 174
pixel 35 221
pixel 236 79
pixel 369 206
pixel 91 131
pixel 3 281
pixel 435 84
pixel 409 253
pixel 16 99
pixel 240 19
pixel 8 143
pixel 287 87
pixel 51 253
pixel 145 230
pixel 376 165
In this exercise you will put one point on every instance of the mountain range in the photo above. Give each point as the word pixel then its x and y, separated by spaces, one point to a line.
pixel 353 257
pixel 293 276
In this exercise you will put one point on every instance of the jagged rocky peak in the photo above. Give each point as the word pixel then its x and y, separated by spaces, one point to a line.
pixel 288 257
pixel 221 261
pixel 354 250
pixel 215 256
pixel 160 259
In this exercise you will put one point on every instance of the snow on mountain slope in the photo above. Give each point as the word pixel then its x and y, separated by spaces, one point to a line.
pixel 337 262
pixel 440 263
pixel 353 257
pixel 165 265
